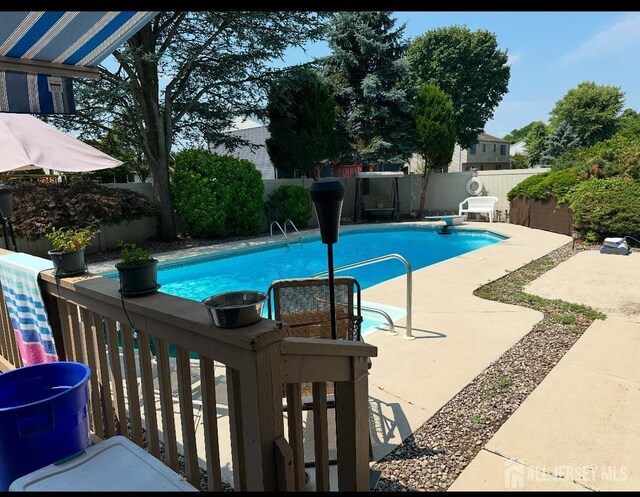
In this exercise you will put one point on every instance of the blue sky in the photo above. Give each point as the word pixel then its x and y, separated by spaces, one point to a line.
pixel 549 52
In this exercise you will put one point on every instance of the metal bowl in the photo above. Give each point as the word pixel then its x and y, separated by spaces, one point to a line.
pixel 235 309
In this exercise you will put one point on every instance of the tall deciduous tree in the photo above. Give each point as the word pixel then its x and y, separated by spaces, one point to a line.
pixel 591 110
pixel 535 141
pixel 468 66
pixel 435 132
pixel 186 75
pixel 302 122
pixel 368 75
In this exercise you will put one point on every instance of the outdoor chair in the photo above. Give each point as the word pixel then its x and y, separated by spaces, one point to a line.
pixel 305 306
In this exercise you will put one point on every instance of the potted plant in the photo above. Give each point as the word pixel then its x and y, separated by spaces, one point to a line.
pixel 138 270
pixel 67 249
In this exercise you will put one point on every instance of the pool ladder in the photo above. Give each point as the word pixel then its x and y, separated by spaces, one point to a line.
pixel 284 231
pixel 408 333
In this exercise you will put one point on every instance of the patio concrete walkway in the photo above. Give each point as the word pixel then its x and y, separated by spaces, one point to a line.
pixel 580 428
pixel 457 335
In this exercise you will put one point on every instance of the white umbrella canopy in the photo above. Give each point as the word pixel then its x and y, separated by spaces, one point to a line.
pixel 27 141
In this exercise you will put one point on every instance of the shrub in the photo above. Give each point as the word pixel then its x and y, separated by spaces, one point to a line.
pixel 38 206
pixel 560 184
pixel 132 255
pixel 67 240
pixel 606 207
pixel 290 202
pixel 618 156
pixel 217 195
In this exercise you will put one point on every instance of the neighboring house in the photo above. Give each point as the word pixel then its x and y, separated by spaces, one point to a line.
pixel 254 132
pixel 490 153
pixel 518 148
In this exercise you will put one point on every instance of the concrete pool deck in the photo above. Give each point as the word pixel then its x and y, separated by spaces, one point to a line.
pixel 580 428
pixel 457 335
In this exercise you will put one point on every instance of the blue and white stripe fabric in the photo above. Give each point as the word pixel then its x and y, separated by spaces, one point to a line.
pixel 66 38
pixel 28 316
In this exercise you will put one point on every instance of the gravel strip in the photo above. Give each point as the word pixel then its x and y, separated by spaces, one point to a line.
pixel 434 456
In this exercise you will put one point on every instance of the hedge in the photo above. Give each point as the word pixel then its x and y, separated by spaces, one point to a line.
pixel 559 184
pixel 289 202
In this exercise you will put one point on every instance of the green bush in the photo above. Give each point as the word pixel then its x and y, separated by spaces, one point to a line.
pixel 606 207
pixel 560 184
pixel 289 202
pixel 38 206
pixel 617 156
pixel 217 195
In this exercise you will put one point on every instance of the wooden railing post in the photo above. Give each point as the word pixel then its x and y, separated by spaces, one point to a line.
pixel 255 408
pixel 352 429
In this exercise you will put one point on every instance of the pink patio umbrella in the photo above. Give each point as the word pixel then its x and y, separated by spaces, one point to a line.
pixel 26 142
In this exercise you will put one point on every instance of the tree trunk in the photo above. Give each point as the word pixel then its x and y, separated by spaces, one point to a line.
pixel 159 169
pixel 423 193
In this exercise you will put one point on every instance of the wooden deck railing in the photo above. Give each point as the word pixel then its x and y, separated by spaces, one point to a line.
pixel 159 370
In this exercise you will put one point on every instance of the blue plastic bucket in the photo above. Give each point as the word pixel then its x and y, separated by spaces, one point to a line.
pixel 43 417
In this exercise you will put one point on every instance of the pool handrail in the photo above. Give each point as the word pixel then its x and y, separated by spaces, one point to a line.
pixel 280 228
pixel 294 227
pixel 408 334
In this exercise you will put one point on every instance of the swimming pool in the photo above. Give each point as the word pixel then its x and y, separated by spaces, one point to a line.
pixel 257 267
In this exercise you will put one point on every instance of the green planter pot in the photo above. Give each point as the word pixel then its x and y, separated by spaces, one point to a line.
pixel 137 281
pixel 68 263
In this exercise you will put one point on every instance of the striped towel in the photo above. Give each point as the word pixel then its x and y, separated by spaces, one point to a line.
pixel 19 277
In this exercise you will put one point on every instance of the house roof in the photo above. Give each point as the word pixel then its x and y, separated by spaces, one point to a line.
pixel 256 135
pixel 490 138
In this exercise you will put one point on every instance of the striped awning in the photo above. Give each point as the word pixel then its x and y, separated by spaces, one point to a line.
pixel 41 51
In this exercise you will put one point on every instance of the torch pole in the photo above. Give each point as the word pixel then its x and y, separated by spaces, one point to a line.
pixel 332 294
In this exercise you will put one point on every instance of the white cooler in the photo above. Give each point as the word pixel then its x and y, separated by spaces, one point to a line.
pixel 115 464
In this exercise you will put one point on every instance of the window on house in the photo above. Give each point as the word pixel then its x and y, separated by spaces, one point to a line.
pixel 472 150
pixel 495 147
pixel 484 147
pixel 503 150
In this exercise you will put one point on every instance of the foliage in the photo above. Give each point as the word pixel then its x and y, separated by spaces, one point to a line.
pixel 217 195
pixel 519 134
pixel 289 202
pixel 629 124
pixel 519 161
pixel 68 240
pixel 607 207
pixel 535 141
pixel 435 128
pixel 185 76
pixel 591 110
pixel 562 139
pixel 617 156
pixel 468 66
pixel 435 132
pixel 541 186
pixel 132 255
pixel 302 119
pixel 39 206
pixel 368 76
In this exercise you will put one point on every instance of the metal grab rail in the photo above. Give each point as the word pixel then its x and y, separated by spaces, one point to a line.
pixel 391 330
pixel 387 257
pixel 280 228
pixel 294 227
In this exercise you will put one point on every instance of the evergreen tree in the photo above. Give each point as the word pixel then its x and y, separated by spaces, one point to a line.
pixel 560 140
pixel 302 119
pixel 435 132
pixel 369 79
pixel 535 141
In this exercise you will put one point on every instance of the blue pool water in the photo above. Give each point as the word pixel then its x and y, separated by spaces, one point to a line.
pixel 257 268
